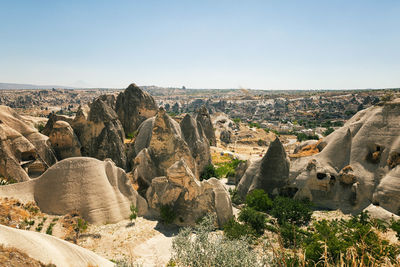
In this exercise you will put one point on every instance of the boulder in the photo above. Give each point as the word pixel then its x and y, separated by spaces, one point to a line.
pixel 270 173
pixel 64 141
pixel 98 190
pixel 225 137
pixel 203 117
pixel 134 106
pixel 198 143
pixel 189 199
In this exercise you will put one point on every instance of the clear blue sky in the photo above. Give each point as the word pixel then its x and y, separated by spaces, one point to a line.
pixel 202 44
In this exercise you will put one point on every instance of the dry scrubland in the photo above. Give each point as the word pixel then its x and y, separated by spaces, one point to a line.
pixel 236 182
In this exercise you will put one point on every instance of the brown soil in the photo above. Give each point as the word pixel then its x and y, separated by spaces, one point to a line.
pixel 11 257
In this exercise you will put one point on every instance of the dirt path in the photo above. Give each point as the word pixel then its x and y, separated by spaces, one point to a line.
pixel 146 242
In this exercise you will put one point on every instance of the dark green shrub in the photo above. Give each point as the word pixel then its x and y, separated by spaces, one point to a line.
pixel 259 200
pixel 303 137
pixel 236 230
pixel 395 225
pixel 328 131
pixel 292 211
pixel 167 214
pixel 49 229
pixel 253 218
pixel 291 235
pixel 134 212
pixel 208 172
pixel 236 120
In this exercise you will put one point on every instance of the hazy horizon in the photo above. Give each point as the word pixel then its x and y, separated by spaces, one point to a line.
pixel 285 45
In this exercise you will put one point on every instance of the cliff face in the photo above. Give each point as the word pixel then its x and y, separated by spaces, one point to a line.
pixel 358 166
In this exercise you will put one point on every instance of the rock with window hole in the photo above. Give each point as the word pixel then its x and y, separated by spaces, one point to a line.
pixel 362 156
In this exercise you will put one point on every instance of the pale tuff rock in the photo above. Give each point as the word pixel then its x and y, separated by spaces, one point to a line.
pixel 134 106
pixel 198 143
pixel 203 117
pixel 98 190
pixel 162 137
pixel 64 141
pixel 358 165
pixel 189 198
pixel 270 173
pixel 20 146
pixel 48 249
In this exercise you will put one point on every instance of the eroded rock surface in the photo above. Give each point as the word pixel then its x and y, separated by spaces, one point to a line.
pixel 270 173
pixel 357 166
pixel 189 198
pixel 98 190
pixel 21 145
pixel 203 117
pixel 134 106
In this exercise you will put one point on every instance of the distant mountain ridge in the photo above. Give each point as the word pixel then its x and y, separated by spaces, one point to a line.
pixel 11 86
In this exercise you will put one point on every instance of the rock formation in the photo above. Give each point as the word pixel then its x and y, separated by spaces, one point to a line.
pixel 358 166
pixel 48 249
pixel 21 145
pixel 270 173
pixel 101 135
pixel 189 199
pixel 225 137
pixel 203 117
pixel 159 144
pixel 134 106
pixel 64 141
pixel 198 143
pixel 98 190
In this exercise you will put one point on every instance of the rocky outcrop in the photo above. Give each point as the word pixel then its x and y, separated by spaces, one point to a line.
pixel 203 117
pixel 189 199
pixel 198 143
pixel 98 190
pixel 53 118
pixel 101 135
pixel 225 136
pixel 134 106
pixel 162 137
pixel 270 173
pixel 64 141
pixel 356 166
pixel 20 146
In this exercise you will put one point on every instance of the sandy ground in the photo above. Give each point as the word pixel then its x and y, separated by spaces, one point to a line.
pixel 146 242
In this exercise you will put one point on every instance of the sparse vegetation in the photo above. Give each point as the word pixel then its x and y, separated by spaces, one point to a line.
pixel 49 230
pixel 134 212
pixel 259 200
pixel 328 131
pixel 303 137
pixel 208 172
pixel 167 214
pixel 200 246
pixel 132 135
